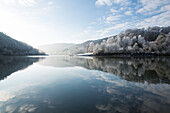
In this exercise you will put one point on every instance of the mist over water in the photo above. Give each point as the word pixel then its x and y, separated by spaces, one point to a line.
pixel 84 84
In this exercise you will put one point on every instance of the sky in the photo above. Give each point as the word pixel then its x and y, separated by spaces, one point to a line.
pixel 39 22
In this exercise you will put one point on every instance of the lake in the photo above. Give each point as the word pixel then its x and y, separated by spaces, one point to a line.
pixel 68 84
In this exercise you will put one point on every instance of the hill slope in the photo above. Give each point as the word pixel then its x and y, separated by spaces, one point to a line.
pixel 57 48
pixel 10 46
pixel 67 48
pixel 154 40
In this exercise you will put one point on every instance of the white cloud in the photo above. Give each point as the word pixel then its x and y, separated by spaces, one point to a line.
pixel 111 19
pixel 27 3
pixel 113 10
pixel 128 13
pixel 165 8
pixel 110 2
pixel 5 96
pixel 151 5
pixel 50 3
pixel 103 2
pixel 8 2
pixel 122 8
pixel 27 108
pixel 122 2
pixel 162 19
pixel 110 30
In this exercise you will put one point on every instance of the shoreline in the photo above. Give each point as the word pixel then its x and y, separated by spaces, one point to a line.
pixel 27 55
pixel 129 55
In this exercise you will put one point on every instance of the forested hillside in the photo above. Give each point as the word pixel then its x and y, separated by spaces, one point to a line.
pixel 155 40
pixel 10 46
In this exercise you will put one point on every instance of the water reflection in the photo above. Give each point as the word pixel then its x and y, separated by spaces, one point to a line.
pixel 144 70
pixel 9 65
pixel 103 85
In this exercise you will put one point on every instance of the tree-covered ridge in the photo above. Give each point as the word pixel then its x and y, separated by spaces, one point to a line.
pixel 10 46
pixel 155 40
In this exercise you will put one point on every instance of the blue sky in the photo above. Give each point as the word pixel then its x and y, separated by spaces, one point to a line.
pixel 38 22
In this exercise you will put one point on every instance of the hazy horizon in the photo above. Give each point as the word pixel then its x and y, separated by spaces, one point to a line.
pixel 39 22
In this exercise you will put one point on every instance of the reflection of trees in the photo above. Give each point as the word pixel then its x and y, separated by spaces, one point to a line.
pixel 119 96
pixel 9 65
pixel 103 93
pixel 135 69
pixel 123 97
pixel 151 70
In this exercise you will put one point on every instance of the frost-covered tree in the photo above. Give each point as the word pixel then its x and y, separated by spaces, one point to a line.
pixel 151 40
pixel 102 47
pixel 96 48
pixel 126 41
pixel 110 41
pixel 141 40
pixel 91 46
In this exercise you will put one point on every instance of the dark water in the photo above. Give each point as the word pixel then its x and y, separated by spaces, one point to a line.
pixel 84 85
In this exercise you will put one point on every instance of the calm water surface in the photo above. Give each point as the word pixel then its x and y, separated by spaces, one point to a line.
pixel 61 84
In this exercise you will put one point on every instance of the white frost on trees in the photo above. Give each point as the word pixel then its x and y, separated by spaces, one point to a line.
pixel 141 40
pixel 136 41
pixel 91 46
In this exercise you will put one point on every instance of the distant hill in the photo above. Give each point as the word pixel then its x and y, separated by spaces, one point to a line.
pixel 68 48
pixel 57 48
pixel 12 47
pixel 151 40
